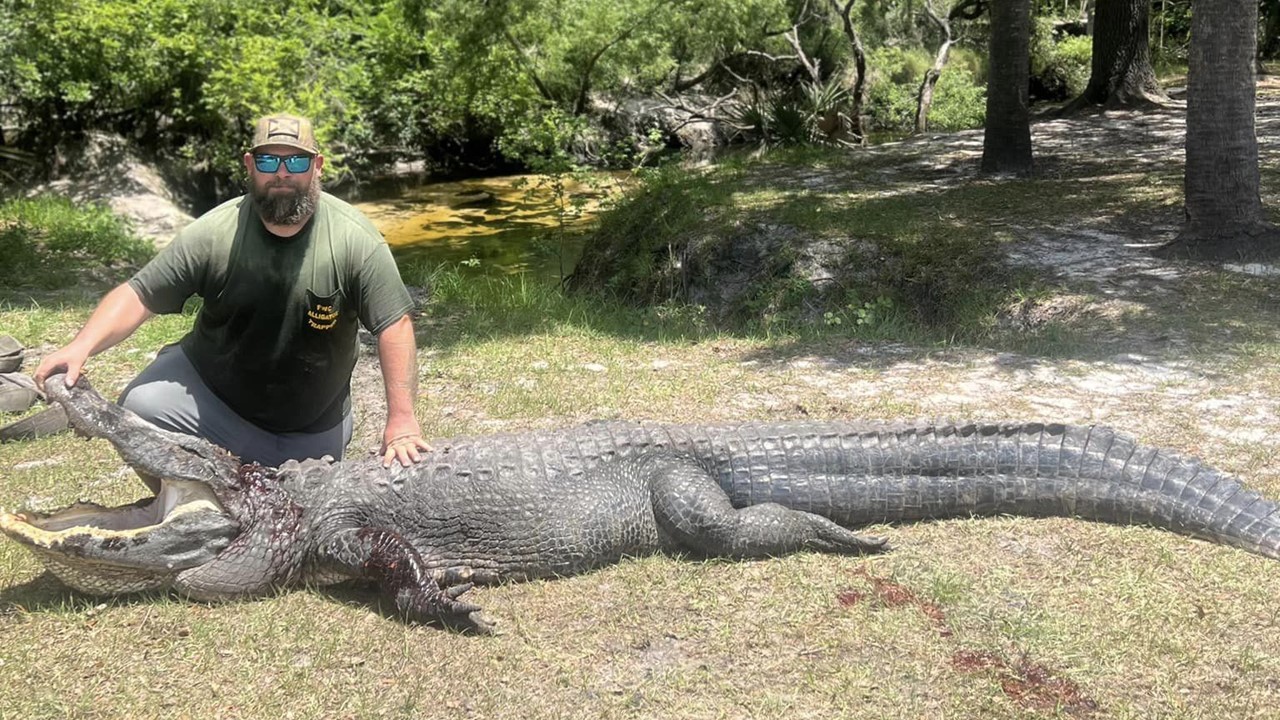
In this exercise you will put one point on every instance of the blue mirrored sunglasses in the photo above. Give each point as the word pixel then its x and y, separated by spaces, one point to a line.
pixel 270 163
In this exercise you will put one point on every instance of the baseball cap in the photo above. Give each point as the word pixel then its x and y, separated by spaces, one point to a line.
pixel 283 129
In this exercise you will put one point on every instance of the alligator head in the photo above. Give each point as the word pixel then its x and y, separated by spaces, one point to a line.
pixel 145 545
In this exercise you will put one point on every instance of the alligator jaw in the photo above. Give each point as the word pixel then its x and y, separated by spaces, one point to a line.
pixel 149 450
pixel 130 548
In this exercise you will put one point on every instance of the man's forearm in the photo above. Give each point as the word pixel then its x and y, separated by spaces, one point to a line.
pixel 398 356
pixel 116 317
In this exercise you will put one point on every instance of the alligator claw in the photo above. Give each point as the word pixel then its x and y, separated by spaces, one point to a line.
pixel 457 590
pixel 472 623
pixel 434 604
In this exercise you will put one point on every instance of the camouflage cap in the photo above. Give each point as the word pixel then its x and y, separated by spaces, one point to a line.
pixel 282 129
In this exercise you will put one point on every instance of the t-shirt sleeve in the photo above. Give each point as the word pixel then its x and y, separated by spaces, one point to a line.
pixel 165 283
pixel 383 296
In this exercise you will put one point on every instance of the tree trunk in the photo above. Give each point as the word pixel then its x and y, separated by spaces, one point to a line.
pixel 1121 74
pixel 857 95
pixel 1006 144
pixel 924 99
pixel 1224 217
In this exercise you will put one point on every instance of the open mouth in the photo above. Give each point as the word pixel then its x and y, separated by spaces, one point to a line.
pixel 130 548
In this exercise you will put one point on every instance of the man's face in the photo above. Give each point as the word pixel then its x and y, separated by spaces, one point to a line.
pixel 283 197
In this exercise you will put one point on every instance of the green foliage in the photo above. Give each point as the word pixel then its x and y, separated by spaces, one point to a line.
pixel 497 68
pixel 899 278
pixel 809 113
pixel 959 99
pixel 445 78
pixel 186 76
pixel 1060 66
pixel 461 81
pixel 47 241
pixel 644 235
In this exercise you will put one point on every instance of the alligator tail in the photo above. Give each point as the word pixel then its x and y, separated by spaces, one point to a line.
pixel 932 472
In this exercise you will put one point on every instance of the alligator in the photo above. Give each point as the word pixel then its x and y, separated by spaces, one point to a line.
pixel 542 504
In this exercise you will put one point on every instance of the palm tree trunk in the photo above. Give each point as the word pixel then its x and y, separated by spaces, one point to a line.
pixel 1006 145
pixel 1224 216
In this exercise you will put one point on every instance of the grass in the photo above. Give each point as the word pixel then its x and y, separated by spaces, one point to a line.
pixel 50 242
pixel 972 618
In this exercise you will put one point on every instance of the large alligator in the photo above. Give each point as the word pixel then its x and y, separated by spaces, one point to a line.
pixel 553 503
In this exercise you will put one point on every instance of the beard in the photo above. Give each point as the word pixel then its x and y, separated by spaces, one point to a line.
pixel 286 208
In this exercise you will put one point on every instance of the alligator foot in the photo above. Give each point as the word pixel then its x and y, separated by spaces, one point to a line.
pixel 420 594
pixel 693 509
pixel 434 604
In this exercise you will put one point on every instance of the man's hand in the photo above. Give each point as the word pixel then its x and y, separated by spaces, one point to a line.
pixel 69 359
pixel 115 318
pixel 403 443
pixel 398 355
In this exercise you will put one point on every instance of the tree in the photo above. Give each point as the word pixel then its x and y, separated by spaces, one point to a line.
pixel 1006 144
pixel 1224 216
pixel 1121 73
pixel 967 10
pixel 859 91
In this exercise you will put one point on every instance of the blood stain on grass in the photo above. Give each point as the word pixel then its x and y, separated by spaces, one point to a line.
pixel 1030 685
pixel 892 595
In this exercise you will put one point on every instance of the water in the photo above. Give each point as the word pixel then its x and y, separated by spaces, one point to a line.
pixel 500 225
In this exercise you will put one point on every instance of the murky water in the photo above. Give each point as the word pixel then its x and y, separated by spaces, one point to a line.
pixel 514 224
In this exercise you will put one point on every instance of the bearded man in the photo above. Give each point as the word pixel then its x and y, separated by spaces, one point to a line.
pixel 285 273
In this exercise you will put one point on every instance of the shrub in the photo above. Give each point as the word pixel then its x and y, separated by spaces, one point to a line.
pixel 959 100
pixel 1060 66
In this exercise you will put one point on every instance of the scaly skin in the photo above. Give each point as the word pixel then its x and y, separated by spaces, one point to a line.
pixel 553 503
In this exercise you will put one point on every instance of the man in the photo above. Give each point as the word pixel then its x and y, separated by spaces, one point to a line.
pixel 285 272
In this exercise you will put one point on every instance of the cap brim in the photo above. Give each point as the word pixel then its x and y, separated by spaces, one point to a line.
pixel 285 143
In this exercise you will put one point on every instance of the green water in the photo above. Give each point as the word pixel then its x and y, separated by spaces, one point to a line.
pixel 501 225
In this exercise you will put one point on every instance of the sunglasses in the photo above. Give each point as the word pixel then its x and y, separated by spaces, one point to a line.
pixel 270 163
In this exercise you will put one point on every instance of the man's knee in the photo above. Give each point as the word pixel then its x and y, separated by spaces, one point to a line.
pixel 157 403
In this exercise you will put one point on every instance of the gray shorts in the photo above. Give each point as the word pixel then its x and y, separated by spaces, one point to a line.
pixel 171 394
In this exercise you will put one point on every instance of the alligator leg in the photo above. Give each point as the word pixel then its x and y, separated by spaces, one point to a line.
pixel 382 555
pixel 692 508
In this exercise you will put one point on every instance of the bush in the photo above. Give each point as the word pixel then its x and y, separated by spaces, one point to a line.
pixel 893 79
pixel 48 241
pixel 959 100
pixel 640 243
pixel 1060 66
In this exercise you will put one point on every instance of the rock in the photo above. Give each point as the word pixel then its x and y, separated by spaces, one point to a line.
pixel 106 170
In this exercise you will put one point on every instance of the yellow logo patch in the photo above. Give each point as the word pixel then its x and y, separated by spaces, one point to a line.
pixel 322 317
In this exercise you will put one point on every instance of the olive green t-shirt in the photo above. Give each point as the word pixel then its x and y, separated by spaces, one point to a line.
pixel 276 337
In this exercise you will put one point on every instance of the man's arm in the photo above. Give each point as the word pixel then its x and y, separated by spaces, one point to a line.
pixel 398 355
pixel 115 318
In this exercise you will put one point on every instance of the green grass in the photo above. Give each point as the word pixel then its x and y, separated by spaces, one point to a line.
pixel 50 242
